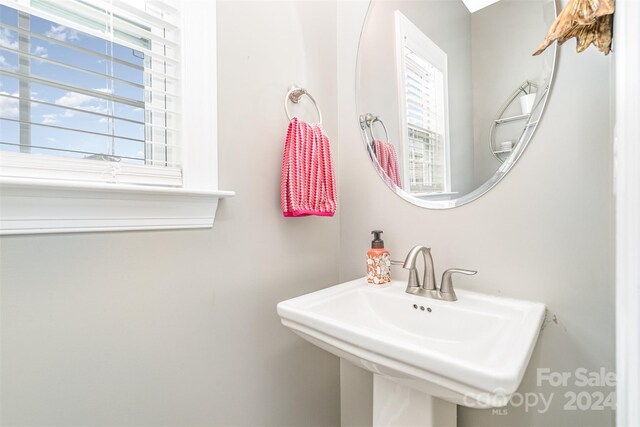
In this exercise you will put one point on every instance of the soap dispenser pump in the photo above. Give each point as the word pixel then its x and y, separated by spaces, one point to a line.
pixel 378 261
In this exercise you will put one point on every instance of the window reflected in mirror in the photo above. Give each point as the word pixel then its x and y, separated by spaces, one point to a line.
pixel 422 90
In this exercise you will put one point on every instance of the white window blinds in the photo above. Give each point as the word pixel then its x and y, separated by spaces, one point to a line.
pixel 425 115
pixel 93 80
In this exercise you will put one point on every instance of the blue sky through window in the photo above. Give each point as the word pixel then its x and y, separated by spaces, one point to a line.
pixel 80 60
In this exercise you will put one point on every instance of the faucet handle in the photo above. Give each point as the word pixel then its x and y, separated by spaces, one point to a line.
pixel 446 286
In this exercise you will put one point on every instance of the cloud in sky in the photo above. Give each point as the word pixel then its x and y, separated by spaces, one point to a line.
pixel 7 64
pixel 74 99
pixel 79 100
pixel 62 33
pixel 9 106
pixel 8 39
pixel 41 51
pixel 49 119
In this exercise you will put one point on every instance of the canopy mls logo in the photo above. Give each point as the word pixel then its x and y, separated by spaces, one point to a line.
pixel 529 401
pixel 581 377
pixel 597 399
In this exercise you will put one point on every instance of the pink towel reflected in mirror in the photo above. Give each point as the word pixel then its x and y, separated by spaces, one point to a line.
pixel 388 162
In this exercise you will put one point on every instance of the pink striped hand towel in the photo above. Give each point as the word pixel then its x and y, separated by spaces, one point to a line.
pixel 308 184
pixel 388 162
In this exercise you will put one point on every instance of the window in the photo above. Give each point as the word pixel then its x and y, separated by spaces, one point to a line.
pixel 422 87
pixel 106 121
pixel 92 81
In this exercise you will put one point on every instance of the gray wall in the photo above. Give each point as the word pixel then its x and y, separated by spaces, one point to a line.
pixel 179 327
pixel 543 234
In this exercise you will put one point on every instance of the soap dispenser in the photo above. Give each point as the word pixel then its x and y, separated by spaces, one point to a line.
pixel 378 261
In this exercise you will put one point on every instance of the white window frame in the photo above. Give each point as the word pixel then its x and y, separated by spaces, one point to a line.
pixel 36 197
pixel 407 33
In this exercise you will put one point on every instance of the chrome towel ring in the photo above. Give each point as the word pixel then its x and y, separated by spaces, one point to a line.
pixel 294 95
pixel 368 120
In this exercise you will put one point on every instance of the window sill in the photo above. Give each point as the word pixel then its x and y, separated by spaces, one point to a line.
pixel 33 206
pixel 434 194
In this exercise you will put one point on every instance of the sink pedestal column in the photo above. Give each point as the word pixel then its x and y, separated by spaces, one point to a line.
pixel 395 405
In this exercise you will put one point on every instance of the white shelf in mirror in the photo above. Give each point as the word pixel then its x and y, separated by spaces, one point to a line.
pixel 504 151
pixel 512 118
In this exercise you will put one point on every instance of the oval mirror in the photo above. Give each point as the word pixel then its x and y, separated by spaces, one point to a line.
pixel 449 94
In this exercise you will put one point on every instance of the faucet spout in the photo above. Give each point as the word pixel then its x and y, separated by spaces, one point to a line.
pixel 429 278
pixel 429 288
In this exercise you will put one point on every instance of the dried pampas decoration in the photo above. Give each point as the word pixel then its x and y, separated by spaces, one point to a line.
pixel 589 21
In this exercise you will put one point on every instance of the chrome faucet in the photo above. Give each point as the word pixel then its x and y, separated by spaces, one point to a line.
pixel 428 288
pixel 429 276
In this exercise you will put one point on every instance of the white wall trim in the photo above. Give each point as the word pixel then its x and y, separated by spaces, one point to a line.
pixel 32 206
pixel 627 189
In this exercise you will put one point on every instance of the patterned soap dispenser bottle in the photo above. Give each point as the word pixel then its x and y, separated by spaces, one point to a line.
pixel 378 262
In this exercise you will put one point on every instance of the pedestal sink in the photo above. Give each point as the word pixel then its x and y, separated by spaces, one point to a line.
pixel 426 355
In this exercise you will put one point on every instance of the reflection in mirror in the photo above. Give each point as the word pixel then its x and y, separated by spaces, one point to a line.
pixel 449 94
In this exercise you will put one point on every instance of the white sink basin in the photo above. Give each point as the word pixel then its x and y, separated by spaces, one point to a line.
pixel 471 352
